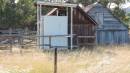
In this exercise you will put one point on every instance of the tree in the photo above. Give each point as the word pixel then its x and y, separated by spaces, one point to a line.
pixel 18 14
pixel 26 12
pixel 128 19
pixel 85 1
pixel 3 16
pixel 23 13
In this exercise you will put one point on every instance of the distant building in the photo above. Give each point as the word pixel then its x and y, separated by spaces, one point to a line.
pixel 110 29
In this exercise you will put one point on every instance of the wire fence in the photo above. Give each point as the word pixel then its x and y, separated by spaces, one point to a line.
pixel 26 40
pixel 22 40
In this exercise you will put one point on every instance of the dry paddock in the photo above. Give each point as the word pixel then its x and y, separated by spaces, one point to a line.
pixel 108 59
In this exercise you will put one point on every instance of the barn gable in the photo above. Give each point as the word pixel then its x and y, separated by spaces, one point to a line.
pixel 110 30
pixel 104 17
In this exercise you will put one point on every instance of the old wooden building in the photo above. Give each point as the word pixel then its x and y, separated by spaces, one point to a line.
pixel 110 29
pixel 73 25
pixel 65 25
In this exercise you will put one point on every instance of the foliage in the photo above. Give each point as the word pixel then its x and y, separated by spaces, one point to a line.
pixel 17 14
pixel 128 19
pixel 119 12
pixel 86 1
pixel 26 12
pixel 23 13
pixel 104 2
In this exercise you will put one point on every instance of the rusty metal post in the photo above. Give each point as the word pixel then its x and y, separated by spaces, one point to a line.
pixel 55 61
pixel 50 42
pixel 11 45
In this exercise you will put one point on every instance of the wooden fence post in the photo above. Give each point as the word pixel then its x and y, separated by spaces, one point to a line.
pixel 55 61
pixel 11 44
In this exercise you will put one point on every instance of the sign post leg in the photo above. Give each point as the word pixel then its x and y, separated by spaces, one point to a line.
pixel 55 61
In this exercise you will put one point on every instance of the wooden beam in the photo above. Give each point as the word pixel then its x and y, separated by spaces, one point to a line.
pixel 85 44
pixel 56 4
pixel 55 36
pixel 86 36
pixel 52 11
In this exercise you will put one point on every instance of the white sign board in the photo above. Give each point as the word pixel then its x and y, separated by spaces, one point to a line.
pixel 54 26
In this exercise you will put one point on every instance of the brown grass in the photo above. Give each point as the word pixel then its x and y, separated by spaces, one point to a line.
pixel 100 60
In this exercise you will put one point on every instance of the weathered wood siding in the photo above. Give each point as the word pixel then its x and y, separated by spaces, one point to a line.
pixel 83 29
pixel 112 36
pixel 110 30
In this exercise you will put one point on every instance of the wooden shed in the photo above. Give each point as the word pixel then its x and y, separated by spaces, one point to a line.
pixel 72 25
pixel 80 29
pixel 110 29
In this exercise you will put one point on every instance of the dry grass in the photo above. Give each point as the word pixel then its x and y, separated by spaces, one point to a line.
pixel 100 60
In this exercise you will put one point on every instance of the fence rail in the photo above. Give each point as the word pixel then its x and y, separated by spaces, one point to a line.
pixel 22 40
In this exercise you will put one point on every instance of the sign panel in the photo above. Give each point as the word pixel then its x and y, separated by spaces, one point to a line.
pixel 55 27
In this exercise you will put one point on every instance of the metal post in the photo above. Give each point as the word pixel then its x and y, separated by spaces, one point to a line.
pixel 55 61
pixel 67 13
pixel 38 23
pixel 77 42
pixel 57 12
pixel 41 23
pixel 49 42
pixel 40 26
pixel 11 44
pixel 21 43
pixel 71 27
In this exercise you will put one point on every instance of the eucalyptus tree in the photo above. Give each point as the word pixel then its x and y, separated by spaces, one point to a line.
pixel 26 12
